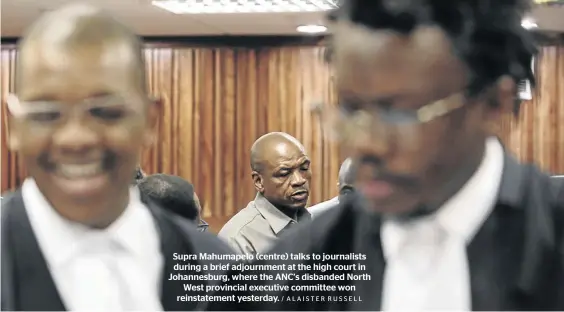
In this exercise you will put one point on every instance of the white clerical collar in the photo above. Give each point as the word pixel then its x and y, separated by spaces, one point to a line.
pixel 464 213
pixel 60 239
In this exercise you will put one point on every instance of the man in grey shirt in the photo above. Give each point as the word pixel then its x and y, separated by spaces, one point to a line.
pixel 344 185
pixel 281 175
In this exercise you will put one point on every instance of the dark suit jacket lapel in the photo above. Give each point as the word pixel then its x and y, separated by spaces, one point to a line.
pixel 493 258
pixel 8 295
pixel 368 241
pixel 354 231
pixel 494 252
pixel 510 268
pixel 510 256
pixel 172 241
pixel 32 286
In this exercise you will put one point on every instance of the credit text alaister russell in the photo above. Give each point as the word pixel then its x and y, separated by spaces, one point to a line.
pixel 322 298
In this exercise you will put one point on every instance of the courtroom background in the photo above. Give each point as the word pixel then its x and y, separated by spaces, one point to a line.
pixel 219 99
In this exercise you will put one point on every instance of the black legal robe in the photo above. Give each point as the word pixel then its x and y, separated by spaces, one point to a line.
pixel 516 260
pixel 27 284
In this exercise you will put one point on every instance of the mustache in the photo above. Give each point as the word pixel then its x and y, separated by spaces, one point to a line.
pixel 377 171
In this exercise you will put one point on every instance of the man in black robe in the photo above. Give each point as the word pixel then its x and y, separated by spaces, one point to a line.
pixel 174 194
pixel 76 235
pixel 446 218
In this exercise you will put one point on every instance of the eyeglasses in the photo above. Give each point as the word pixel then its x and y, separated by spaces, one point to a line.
pixel 343 125
pixel 203 226
pixel 106 109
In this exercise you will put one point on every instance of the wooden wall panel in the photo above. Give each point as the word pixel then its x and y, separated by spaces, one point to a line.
pixel 217 101
pixel 223 100
pixel 537 134
pixel 13 172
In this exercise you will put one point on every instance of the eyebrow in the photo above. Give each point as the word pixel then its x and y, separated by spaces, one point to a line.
pixel 53 98
pixel 285 167
pixel 40 98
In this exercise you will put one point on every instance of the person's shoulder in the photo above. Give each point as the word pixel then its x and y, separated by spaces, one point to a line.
pixel 9 199
pixel 550 187
pixel 557 184
pixel 240 221
pixel 332 214
pixel 309 235
pixel 543 228
pixel 204 242
pixel 316 210
pixel 9 195
pixel 527 186
pixel 544 204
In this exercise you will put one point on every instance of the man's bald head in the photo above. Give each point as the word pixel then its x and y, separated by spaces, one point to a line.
pixel 80 32
pixel 271 144
pixel 81 97
pixel 345 184
pixel 281 170
pixel 346 174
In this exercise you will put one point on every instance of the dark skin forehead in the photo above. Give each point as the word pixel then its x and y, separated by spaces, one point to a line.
pixel 278 150
pixel 372 66
pixel 65 44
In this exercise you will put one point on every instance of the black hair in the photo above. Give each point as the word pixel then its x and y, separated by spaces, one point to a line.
pixel 139 175
pixel 170 192
pixel 486 34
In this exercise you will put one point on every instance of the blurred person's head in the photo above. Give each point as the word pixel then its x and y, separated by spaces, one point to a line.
pixel 202 224
pixel 81 114
pixel 281 170
pixel 198 205
pixel 419 85
pixel 172 193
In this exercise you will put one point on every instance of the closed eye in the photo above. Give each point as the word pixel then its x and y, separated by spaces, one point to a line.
pixel 108 113
pixel 348 106
pixel 283 173
pixel 47 116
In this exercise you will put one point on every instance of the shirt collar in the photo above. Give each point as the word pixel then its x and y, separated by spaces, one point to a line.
pixel 276 218
pixel 136 228
pixel 464 213
pixel 61 239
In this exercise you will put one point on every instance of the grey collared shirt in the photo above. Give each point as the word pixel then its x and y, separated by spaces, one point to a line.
pixel 256 227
